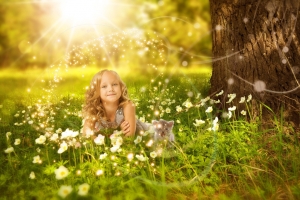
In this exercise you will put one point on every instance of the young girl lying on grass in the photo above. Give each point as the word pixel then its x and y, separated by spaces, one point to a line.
pixel 107 106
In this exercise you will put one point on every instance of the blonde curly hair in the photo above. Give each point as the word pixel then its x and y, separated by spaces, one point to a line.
pixel 93 109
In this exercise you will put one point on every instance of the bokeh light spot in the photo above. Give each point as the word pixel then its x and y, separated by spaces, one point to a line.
pixel 259 86
pixel 218 27
pixel 197 25
pixel 184 63
pixel 190 94
pixel 230 81
pixel 285 49
pixel 284 61
pixel 245 20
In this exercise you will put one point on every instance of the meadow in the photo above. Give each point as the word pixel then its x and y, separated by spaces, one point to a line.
pixel 217 154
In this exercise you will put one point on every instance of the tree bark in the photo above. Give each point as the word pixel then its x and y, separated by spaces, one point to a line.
pixel 256 50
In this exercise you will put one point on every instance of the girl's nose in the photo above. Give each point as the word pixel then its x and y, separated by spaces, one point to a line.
pixel 110 88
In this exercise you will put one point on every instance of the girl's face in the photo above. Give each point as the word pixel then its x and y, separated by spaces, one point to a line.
pixel 110 88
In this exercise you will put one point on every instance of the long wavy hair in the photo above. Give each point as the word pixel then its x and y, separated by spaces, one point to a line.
pixel 93 109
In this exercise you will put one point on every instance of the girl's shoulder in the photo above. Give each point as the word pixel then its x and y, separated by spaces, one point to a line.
pixel 129 105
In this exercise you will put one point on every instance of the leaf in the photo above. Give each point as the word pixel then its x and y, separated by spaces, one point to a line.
pixel 49 169
pixel 4 178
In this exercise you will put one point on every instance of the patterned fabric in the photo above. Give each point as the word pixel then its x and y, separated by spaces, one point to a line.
pixel 140 126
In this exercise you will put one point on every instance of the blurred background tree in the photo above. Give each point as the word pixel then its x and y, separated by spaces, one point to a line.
pixel 39 33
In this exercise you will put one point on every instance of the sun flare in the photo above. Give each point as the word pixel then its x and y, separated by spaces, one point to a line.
pixel 81 11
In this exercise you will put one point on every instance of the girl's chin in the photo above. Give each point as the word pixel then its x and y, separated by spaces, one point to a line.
pixel 112 101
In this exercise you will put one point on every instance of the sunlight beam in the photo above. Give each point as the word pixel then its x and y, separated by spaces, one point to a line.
pixel 80 11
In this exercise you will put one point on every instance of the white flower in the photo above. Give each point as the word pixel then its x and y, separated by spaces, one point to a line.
pixel 41 139
pixel 203 101
pixel 142 119
pixel 69 133
pixel 64 191
pixel 37 159
pixel 89 133
pixel 168 110
pixel 178 108
pixel 83 189
pixel 216 120
pixel 199 122
pixel 188 104
pixel 216 127
pixel 233 108
pixel 32 175
pixel 243 112
pixel 61 173
pixel 116 139
pixel 116 134
pixel 138 139
pixel 220 93
pixel 114 148
pixel 216 101
pixel 99 140
pixel 231 97
pixel 215 124
pixel 102 156
pixel 209 109
pixel 54 137
pixel 17 141
pixel 141 158
pixel 8 134
pixel 242 99
pixel 178 121
pixel 153 154
pixel 58 131
pixel 30 122
pixel 229 114
pixel 9 150
pixel 249 98
pixel 63 147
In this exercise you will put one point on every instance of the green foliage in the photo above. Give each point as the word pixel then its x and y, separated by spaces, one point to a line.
pixel 37 34
pixel 229 157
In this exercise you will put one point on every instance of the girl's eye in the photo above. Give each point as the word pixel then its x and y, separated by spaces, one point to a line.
pixel 104 86
pixel 115 84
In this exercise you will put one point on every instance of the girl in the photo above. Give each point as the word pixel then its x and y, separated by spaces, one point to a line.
pixel 107 106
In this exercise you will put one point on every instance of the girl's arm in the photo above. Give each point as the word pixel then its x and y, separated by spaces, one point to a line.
pixel 129 124
pixel 87 127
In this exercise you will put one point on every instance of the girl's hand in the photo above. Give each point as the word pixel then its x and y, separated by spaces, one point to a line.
pixel 125 127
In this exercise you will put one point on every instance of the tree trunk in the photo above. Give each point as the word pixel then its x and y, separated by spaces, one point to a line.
pixel 256 50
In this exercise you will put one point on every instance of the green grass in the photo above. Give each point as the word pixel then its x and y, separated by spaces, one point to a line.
pixel 238 159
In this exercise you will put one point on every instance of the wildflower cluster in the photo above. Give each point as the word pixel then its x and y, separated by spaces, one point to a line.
pixel 64 152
